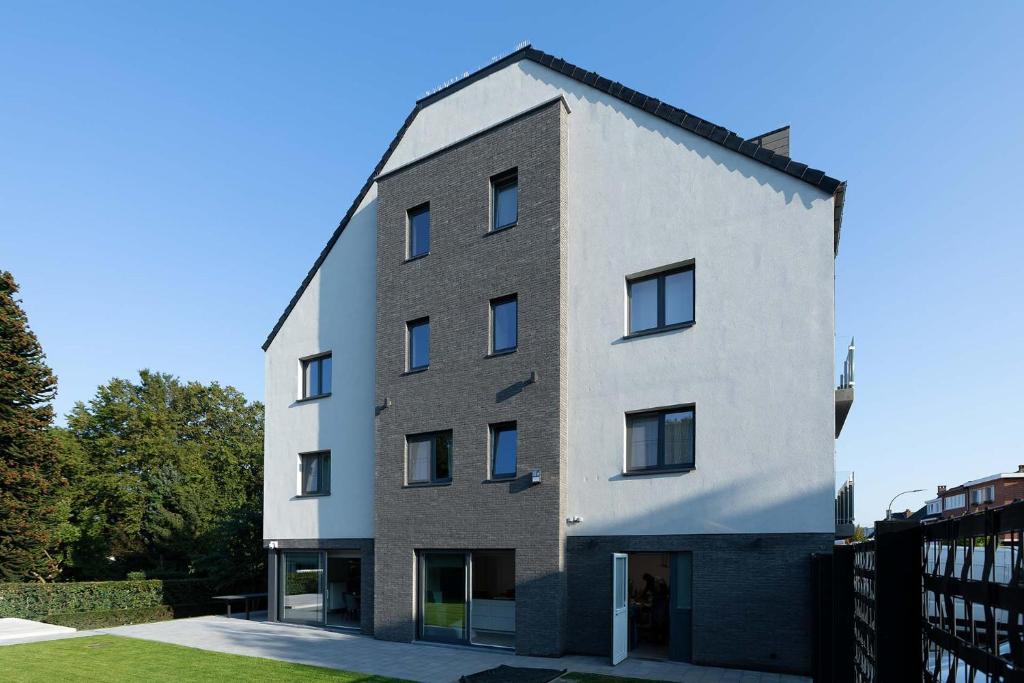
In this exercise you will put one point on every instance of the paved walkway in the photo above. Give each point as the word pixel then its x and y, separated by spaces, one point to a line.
pixel 418 662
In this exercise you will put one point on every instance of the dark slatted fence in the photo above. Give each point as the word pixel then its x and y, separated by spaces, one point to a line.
pixel 938 603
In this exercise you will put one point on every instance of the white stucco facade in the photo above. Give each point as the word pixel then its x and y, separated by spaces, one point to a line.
pixel 757 364
pixel 335 313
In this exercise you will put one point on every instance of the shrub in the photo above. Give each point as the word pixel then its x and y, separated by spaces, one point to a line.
pixel 94 604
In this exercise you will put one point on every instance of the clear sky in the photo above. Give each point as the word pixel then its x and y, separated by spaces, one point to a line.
pixel 169 172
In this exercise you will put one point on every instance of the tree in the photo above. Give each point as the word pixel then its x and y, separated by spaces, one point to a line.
pixel 31 485
pixel 172 471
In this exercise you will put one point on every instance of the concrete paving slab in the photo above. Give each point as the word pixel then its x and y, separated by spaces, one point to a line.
pixel 20 630
pixel 412 661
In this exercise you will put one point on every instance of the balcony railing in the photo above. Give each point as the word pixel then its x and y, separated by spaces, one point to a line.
pixel 844 392
pixel 844 505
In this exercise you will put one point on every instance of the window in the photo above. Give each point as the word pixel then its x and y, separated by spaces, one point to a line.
pixel 983 495
pixel 504 324
pixel 660 440
pixel 503 450
pixel 505 200
pixel 953 502
pixel 661 301
pixel 316 376
pixel 419 231
pixel 418 343
pixel 429 458
pixel 315 473
pixel 934 507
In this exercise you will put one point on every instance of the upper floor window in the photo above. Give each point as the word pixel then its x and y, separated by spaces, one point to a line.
pixel 419 231
pixel 429 458
pixel 418 343
pixel 504 445
pixel 983 495
pixel 315 473
pixel 953 502
pixel 505 200
pixel 934 507
pixel 660 440
pixel 316 376
pixel 504 324
pixel 661 301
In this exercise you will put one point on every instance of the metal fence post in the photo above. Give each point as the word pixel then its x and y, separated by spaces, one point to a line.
pixel 842 616
pixel 898 600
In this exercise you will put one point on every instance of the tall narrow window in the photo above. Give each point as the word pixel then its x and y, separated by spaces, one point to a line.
pixel 316 376
pixel 505 200
pixel 661 301
pixel 315 473
pixel 419 231
pixel 504 324
pixel 660 440
pixel 429 458
pixel 418 342
pixel 504 445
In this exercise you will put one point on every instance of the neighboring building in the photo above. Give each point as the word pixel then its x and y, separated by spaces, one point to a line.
pixel 561 381
pixel 992 491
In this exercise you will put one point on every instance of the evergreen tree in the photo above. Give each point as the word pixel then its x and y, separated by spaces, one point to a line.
pixel 31 495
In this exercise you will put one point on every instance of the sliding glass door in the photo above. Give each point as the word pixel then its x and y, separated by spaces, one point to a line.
pixel 443 597
pixel 468 597
pixel 302 588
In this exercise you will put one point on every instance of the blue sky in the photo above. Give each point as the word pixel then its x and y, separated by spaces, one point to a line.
pixel 169 172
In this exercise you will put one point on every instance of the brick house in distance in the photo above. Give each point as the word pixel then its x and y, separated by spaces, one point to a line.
pixel 992 491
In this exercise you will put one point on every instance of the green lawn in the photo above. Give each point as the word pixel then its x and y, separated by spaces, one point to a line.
pixel 445 614
pixel 113 659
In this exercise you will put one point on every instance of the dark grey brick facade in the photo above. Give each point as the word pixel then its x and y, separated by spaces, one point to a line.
pixel 751 595
pixel 464 390
pixel 365 546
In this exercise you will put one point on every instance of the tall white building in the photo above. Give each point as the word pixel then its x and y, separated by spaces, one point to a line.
pixel 562 381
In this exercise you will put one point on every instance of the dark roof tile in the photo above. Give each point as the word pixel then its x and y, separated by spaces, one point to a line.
pixel 733 141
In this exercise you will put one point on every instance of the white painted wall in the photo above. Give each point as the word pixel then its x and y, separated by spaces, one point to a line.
pixel 758 363
pixel 336 313
pixel 642 193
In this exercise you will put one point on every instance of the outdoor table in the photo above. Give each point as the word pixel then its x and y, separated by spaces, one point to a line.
pixel 247 598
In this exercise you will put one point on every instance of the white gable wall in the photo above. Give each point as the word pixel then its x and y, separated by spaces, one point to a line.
pixel 643 193
pixel 335 313
pixel 758 364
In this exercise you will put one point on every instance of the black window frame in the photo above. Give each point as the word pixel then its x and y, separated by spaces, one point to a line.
pixel 493 430
pixel 303 364
pixel 325 473
pixel 660 276
pixel 493 350
pixel 409 325
pixel 409 214
pixel 434 480
pixel 501 182
pixel 660 413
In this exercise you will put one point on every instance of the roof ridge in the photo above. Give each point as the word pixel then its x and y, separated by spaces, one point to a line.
pixel 667 112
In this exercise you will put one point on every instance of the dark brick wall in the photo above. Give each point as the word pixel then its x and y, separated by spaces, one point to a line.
pixel 365 546
pixel 465 391
pixel 751 595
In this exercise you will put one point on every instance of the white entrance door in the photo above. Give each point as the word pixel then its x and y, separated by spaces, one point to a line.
pixel 620 607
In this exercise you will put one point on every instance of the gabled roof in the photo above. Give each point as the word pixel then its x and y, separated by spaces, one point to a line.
pixel 651 105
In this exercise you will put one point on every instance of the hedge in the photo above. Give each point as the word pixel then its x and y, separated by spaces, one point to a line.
pixel 97 604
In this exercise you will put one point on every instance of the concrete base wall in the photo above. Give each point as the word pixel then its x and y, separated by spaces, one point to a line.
pixel 752 601
pixel 366 570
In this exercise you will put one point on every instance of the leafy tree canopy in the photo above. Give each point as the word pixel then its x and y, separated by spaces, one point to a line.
pixel 168 473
